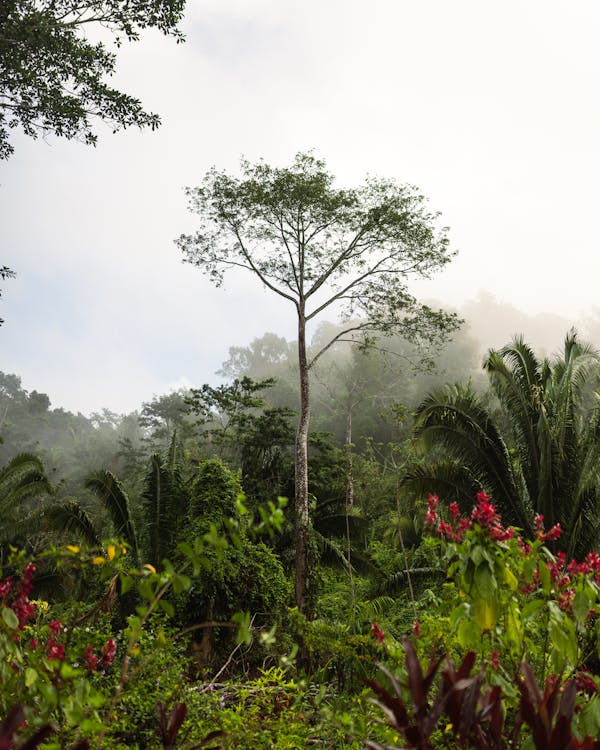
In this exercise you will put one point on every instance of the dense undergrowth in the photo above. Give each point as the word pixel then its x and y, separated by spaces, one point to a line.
pixel 503 652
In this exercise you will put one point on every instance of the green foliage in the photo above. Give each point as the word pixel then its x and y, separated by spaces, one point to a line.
pixel 113 497
pixel 545 462
pixel 246 577
pixel 164 503
pixel 214 492
pixel 23 483
pixel 53 78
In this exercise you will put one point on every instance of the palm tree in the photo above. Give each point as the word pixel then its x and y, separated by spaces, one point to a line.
pixel 23 483
pixel 164 505
pixel 544 459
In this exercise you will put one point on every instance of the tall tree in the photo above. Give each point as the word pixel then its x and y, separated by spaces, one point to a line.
pixel 317 246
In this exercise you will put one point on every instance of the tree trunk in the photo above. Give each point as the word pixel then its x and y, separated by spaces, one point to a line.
pixel 349 465
pixel 301 469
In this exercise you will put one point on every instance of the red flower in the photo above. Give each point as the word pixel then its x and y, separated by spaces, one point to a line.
pixel 432 500
pixel 416 628
pixel 5 587
pixel 90 659
pixel 55 626
pixel 108 652
pixel 585 682
pixel 538 523
pixel 55 650
pixel 499 534
pixel 484 512
pixel 377 632
pixel 495 660
pixel 552 534
pixel 454 510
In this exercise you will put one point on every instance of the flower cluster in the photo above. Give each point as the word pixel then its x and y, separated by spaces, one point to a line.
pixel 546 536
pixel 15 596
pixel 107 656
pixel 483 514
pixel 108 652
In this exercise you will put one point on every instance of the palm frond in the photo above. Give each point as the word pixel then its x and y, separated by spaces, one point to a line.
pixel 71 519
pixel 114 498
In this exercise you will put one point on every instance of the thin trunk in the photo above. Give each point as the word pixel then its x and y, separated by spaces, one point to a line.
pixel 349 465
pixel 301 466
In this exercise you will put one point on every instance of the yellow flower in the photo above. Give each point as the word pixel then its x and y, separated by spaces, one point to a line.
pixel 73 548
pixel 98 561
pixel 41 606
pixel 110 551
pixel 149 567
pixel 123 550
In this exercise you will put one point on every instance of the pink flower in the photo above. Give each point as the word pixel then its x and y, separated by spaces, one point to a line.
pixel 377 632
pixel 431 517
pixel 432 500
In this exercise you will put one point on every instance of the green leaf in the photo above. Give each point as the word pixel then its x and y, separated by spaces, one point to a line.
pixel 67 672
pixel 10 618
pixel 485 580
pixel 31 677
pixel 486 613
pixel 166 607
pixel 509 578
pixel 459 613
pixel 126 582
pixel 244 634
pixel 581 606
pixel 531 609
pixel 49 694
pixel 469 634
pixel 181 583
pixel 544 578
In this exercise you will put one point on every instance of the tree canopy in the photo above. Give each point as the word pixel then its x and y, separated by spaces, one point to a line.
pixel 53 78
pixel 319 246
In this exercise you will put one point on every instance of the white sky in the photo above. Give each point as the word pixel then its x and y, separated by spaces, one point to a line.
pixel 492 109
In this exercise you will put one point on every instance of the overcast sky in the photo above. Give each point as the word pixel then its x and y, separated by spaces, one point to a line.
pixel 492 109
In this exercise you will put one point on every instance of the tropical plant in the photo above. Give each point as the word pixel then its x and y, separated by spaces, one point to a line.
pixel 539 455
pixel 22 481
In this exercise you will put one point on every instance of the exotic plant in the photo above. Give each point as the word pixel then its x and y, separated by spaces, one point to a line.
pixel 507 599
pixel 542 457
